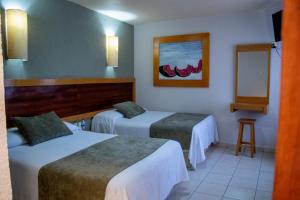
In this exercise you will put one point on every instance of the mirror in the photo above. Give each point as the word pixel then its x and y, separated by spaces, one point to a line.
pixel 252 75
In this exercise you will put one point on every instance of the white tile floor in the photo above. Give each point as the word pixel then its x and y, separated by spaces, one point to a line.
pixel 224 176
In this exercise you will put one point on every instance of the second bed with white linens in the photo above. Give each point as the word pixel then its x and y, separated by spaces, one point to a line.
pixel 203 134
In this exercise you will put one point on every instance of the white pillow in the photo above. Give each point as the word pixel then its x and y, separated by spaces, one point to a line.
pixel 72 127
pixel 14 138
pixel 110 114
pixel 104 121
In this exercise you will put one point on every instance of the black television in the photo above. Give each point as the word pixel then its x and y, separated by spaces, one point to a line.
pixel 277 25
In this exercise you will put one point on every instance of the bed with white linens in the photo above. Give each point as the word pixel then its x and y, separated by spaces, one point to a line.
pixel 150 178
pixel 203 134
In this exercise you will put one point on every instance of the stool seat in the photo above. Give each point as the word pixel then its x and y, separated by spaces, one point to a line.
pixel 240 142
pixel 247 120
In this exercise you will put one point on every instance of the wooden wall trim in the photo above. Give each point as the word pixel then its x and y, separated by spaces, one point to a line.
pixel 252 100
pixel 71 99
pixel 204 82
pixel 70 81
pixel 254 47
pixel 248 48
pixel 83 116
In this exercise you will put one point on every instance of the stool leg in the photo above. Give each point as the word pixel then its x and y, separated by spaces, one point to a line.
pixel 241 139
pixel 252 140
pixel 238 143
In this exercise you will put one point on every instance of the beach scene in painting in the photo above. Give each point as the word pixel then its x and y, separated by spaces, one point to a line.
pixel 180 61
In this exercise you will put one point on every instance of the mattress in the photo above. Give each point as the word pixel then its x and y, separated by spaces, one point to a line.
pixel 203 135
pixel 151 178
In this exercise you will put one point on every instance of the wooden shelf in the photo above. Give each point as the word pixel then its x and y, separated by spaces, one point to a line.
pixel 263 108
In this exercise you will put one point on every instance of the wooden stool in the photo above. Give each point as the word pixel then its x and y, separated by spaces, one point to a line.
pixel 240 141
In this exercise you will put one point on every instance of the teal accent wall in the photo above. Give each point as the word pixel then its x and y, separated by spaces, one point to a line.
pixel 68 40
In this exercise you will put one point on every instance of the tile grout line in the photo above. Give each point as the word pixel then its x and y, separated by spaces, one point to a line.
pixel 192 193
pixel 259 174
pixel 231 177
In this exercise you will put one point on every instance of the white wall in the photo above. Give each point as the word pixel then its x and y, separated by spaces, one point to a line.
pixel 225 33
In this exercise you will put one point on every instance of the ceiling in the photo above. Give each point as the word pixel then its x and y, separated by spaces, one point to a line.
pixel 143 11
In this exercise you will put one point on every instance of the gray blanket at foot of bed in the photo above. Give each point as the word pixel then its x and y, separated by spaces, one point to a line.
pixel 178 126
pixel 85 174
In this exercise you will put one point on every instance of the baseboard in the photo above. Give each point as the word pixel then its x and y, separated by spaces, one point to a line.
pixel 258 148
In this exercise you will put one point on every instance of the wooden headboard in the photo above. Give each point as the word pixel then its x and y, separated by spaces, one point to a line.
pixel 71 99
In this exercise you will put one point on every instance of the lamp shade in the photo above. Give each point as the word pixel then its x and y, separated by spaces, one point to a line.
pixel 112 49
pixel 16 34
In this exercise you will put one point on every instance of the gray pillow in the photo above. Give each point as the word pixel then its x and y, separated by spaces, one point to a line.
pixel 129 109
pixel 41 128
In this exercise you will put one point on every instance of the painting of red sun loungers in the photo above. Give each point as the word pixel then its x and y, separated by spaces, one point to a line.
pixel 181 60
pixel 168 71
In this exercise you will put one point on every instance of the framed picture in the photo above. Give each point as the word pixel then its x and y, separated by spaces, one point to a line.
pixel 181 60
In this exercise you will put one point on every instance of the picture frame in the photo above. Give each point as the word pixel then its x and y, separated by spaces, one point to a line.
pixel 181 60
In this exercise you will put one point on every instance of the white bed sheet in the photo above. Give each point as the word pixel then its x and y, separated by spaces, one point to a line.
pixel 151 178
pixel 204 133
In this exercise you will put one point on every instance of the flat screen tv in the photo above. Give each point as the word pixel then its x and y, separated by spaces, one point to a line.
pixel 277 25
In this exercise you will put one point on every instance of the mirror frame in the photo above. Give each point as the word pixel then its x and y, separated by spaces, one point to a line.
pixel 249 48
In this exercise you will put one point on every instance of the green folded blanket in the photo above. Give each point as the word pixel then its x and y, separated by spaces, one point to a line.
pixel 178 127
pixel 85 174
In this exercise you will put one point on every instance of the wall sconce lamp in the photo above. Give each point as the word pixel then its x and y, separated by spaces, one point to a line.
pixel 112 49
pixel 16 34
